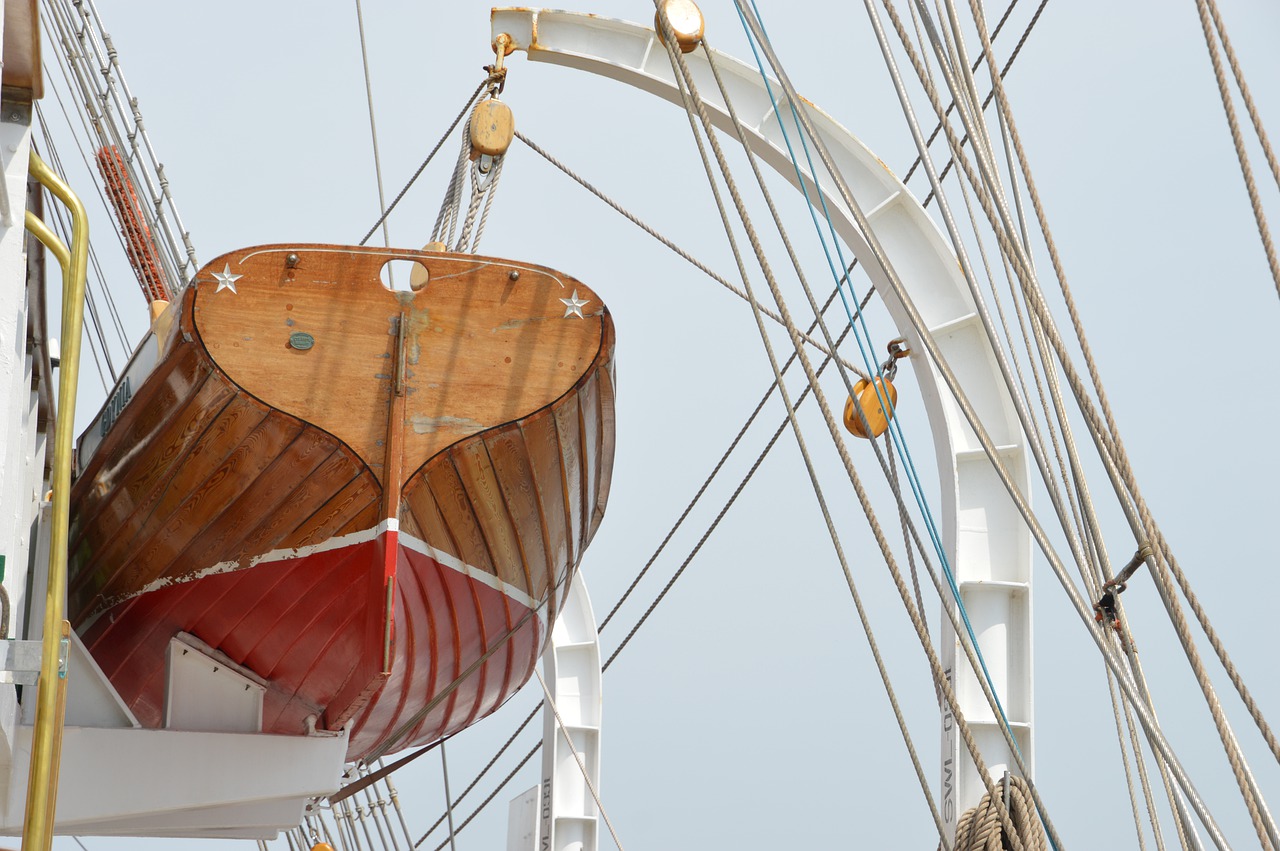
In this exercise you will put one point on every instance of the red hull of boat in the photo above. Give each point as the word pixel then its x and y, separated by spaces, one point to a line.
pixel 305 637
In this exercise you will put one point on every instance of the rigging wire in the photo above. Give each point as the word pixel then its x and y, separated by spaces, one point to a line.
pixel 989 448
pixel 693 99
pixel 1112 451
pixel 631 217
pixel 93 253
pixel 756 31
pixel 94 69
pixel 448 801
pixel 373 131
pixel 421 168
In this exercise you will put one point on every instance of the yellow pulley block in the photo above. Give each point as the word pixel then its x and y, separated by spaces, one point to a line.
pixel 877 418
pixel 492 128
pixel 322 846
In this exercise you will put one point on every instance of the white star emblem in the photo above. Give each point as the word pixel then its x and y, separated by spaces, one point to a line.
pixel 573 305
pixel 226 280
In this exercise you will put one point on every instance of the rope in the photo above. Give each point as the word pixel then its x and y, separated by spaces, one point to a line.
pixel 373 129
pixel 414 177
pixel 447 217
pixel 1264 826
pixel 958 156
pixel 1244 92
pixel 1118 707
pixel 989 448
pixel 448 803
pixel 1033 431
pixel 1008 64
pixel 697 264
pixel 695 101
pixel 979 828
pixel 1245 170
pixel 994 35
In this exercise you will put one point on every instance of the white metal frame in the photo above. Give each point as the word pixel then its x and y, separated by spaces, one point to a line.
pixel 560 813
pixel 988 546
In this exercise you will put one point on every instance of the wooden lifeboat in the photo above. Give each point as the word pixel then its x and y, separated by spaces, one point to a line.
pixel 369 501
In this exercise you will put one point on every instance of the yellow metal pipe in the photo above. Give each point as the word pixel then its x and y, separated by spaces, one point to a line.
pixel 46 744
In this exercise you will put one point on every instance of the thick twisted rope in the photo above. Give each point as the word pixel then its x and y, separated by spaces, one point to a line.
pixel 979 828
pixel 1263 826
pixel 1236 139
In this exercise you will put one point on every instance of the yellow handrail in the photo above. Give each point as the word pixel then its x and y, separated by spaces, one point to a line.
pixel 46 744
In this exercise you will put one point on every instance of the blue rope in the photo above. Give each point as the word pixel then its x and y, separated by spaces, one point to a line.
pixel 900 443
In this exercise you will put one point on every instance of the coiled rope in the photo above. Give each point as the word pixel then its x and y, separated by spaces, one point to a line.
pixel 979 828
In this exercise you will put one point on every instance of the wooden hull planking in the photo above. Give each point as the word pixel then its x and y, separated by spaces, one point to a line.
pixel 355 493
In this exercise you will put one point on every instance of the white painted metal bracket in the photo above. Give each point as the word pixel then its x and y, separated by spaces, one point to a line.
pixel 989 548
pixel 560 813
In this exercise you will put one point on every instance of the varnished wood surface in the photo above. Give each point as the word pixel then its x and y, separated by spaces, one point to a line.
pixel 240 444
pixel 480 348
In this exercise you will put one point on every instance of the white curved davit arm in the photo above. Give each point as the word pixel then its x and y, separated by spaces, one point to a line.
pixel 989 547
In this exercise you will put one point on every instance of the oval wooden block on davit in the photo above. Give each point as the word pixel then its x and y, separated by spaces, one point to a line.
pixel 370 501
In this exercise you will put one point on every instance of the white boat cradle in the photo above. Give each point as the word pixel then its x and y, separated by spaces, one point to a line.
pixel 985 540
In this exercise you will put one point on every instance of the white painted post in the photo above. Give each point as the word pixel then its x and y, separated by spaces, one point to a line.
pixel 560 813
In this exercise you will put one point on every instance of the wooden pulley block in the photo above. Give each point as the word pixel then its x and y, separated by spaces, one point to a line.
pixel 492 128
pixel 877 418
